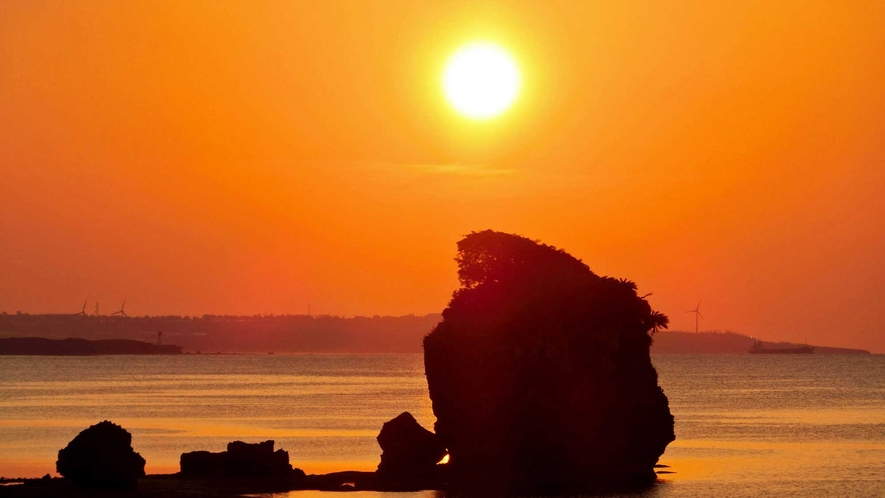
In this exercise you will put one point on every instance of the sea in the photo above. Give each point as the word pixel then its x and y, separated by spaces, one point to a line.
pixel 746 425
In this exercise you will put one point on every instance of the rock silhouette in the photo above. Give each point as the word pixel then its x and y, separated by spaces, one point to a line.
pixel 101 456
pixel 410 453
pixel 202 463
pixel 240 460
pixel 540 373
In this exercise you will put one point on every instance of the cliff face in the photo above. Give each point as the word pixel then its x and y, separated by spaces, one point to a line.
pixel 540 374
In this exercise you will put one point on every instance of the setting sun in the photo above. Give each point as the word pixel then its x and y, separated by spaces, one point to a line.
pixel 481 80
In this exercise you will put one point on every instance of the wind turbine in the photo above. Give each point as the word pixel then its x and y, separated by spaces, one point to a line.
pixel 122 311
pixel 697 314
pixel 82 311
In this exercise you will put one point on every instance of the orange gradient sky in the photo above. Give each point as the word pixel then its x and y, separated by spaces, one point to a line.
pixel 253 157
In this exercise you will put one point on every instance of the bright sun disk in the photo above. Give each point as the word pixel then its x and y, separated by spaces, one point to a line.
pixel 481 80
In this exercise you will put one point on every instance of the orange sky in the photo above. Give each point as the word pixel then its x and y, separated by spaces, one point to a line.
pixel 251 157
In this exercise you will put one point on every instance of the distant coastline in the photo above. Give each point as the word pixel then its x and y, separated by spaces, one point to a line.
pixel 677 342
pixel 314 334
pixel 37 346
pixel 236 334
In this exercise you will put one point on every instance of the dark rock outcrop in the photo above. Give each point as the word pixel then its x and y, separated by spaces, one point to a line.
pixel 257 460
pixel 101 456
pixel 540 373
pixel 410 453
pixel 202 463
pixel 243 460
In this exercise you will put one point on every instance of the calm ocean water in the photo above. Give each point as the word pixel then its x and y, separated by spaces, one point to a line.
pixel 745 425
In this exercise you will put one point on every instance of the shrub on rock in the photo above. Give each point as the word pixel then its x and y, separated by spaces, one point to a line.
pixel 540 374
pixel 101 456
pixel 409 452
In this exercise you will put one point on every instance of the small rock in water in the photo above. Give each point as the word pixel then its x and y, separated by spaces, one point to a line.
pixel 202 463
pixel 240 460
pixel 101 456
pixel 409 451
pixel 256 460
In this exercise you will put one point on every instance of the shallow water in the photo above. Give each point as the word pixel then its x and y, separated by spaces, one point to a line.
pixel 746 425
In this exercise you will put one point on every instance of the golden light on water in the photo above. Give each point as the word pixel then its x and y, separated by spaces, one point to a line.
pixel 481 80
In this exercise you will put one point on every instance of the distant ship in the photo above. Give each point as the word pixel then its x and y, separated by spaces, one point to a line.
pixel 759 348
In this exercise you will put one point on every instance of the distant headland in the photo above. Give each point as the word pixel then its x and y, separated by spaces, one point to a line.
pixel 675 342
pixel 36 346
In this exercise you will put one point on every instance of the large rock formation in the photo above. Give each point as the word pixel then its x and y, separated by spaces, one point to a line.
pixel 101 456
pixel 410 453
pixel 540 373
pixel 241 459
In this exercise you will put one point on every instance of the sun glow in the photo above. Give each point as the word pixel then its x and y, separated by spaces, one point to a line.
pixel 481 80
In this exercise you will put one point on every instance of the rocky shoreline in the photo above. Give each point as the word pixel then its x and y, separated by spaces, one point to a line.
pixel 100 462
pixel 177 485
